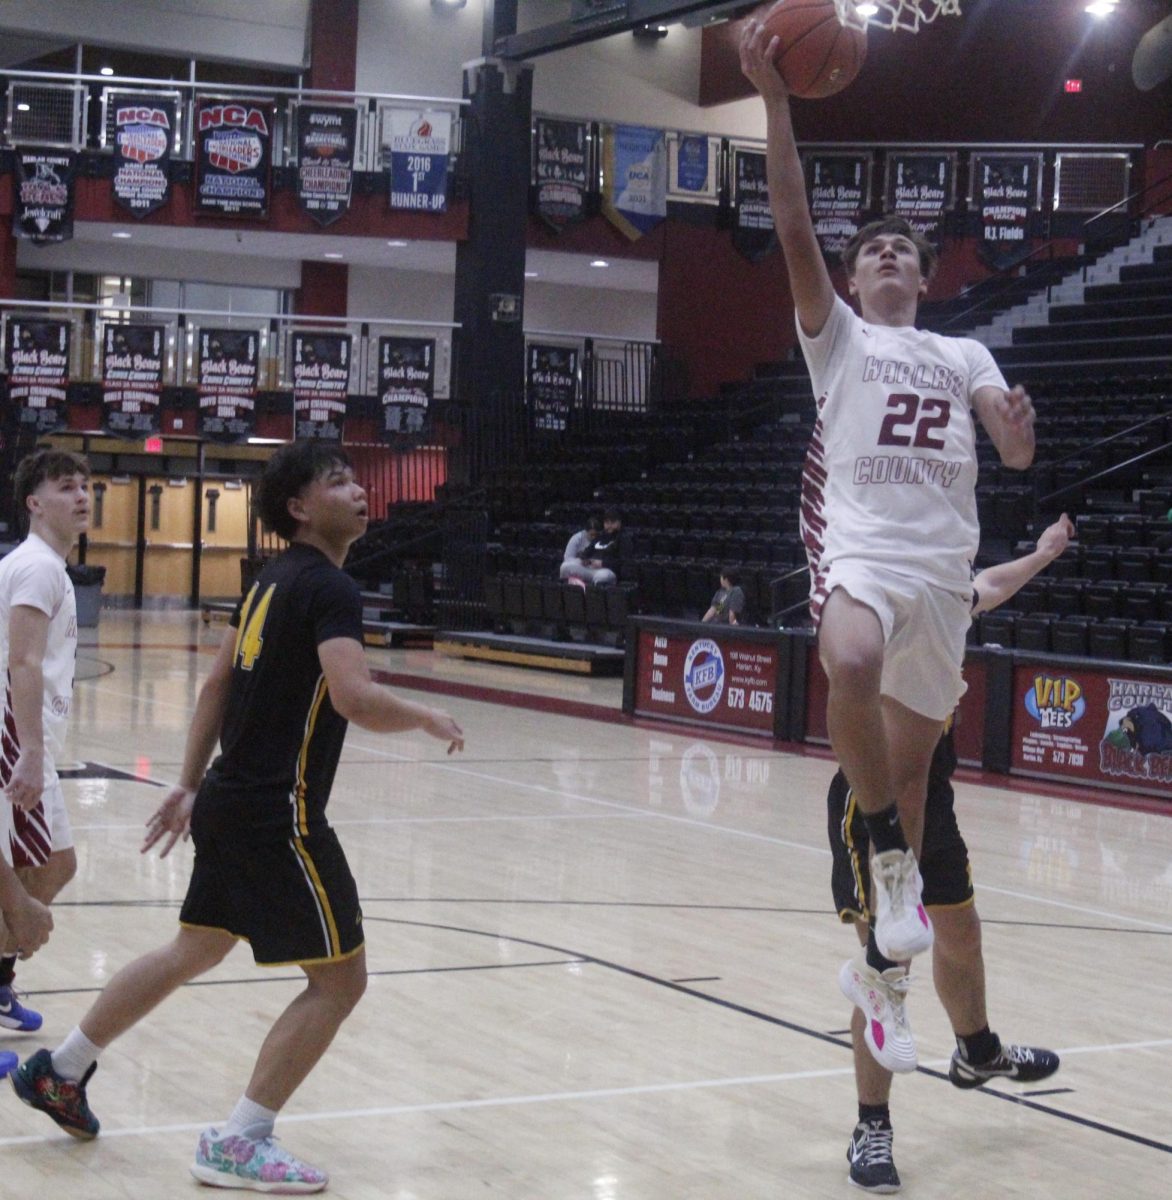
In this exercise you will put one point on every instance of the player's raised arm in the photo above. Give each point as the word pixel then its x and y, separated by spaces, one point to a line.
pixel 1008 418
pixel 809 279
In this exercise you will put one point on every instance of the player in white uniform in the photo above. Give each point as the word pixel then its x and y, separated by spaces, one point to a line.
pixel 887 511
pixel 38 644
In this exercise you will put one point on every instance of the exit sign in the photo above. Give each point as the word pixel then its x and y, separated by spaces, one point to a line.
pixel 153 445
pixel 1074 85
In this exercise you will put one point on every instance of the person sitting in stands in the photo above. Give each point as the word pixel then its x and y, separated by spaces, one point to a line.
pixel 580 563
pixel 610 549
pixel 728 605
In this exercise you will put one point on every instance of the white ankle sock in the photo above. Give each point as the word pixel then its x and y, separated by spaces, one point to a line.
pixel 250 1120
pixel 74 1057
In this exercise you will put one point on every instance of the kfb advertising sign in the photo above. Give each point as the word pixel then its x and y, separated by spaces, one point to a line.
pixel 228 370
pixel 144 130
pixel 418 149
pixel 321 383
pixel 406 384
pixel 234 154
pixel 132 378
pixel 36 353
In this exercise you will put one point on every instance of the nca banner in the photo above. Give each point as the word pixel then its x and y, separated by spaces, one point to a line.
pixel 551 385
pixel 839 190
pixel 132 378
pixel 233 156
pixel 325 160
pixel 44 194
pixel 418 153
pixel 406 384
pixel 920 189
pixel 36 353
pixel 560 171
pixel 229 364
pixel 321 383
pixel 144 133
pixel 634 172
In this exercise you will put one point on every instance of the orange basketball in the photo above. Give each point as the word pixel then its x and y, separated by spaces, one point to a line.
pixel 817 55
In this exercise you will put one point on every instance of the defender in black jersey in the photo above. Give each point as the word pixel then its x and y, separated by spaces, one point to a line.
pixel 289 675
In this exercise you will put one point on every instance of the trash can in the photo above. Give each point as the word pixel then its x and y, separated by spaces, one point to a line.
pixel 87 588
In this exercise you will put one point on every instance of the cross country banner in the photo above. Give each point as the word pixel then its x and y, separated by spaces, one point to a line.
pixel 418 153
pixel 839 189
pixel 634 178
pixel 229 362
pixel 44 194
pixel 144 132
pixel 132 378
pixel 1005 193
pixel 753 234
pixel 406 384
pixel 233 156
pixel 36 354
pixel 560 171
pixel 321 383
pixel 325 159
pixel 920 188
pixel 551 385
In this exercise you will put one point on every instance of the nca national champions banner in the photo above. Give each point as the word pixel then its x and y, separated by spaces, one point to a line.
pixel 560 172
pixel 753 232
pixel 920 189
pixel 233 157
pixel 406 384
pixel 132 378
pixel 634 172
pixel 1005 193
pixel 44 193
pixel 418 150
pixel 551 385
pixel 229 363
pixel 839 189
pixel 144 132
pixel 325 160
pixel 321 383
pixel 36 354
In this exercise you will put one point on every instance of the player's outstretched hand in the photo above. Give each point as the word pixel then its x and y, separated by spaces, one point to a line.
pixel 27 782
pixel 30 923
pixel 757 64
pixel 441 726
pixel 1019 409
pixel 1055 538
pixel 170 821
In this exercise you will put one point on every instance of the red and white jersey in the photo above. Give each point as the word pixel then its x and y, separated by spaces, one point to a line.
pixel 891 471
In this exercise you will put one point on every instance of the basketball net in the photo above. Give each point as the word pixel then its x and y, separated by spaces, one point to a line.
pixel 907 15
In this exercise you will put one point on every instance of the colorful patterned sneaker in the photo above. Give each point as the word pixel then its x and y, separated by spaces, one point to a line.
pixel 40 1087
pixel 1025 1064
pixel 253 1164
pixel 902 927
pixel 14 1015
pixel 869 1154
pixel 882 996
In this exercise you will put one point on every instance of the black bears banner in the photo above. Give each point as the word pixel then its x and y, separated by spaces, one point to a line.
pixel 560 171
pixel 839 189
pixel 920 188
pixel 132 378
pixel 325 160
pixel 1005 193
pixel 321 383
pixel 228 371
pixel 406 384
pixel 36 353
pixel 551 385
pixel 233 157
pixel 753 232
pixel 44 194
pixel 144 132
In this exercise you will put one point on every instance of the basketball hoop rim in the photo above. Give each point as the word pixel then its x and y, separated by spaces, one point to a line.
pixel 896 15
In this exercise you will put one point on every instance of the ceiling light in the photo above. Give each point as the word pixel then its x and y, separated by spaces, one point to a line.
pixel 24 106
pixel 599 262
pixel 530 274
pixel 1101 8
pixel 866 9
pixel 397 243
pixel 105 70
pixel 333 254
pixel 122 233
pixel 444 5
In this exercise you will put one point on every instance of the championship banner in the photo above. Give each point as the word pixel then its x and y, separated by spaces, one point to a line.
pixel 326 137
pixel 144 132
pixel 551 385
pixel 753 232
pixel 560 172
pixel 36 353
pixel 839 190
pixel 1006 191
pixel 44 194
pixel 406 384
pixel 132 378
pixel 691 169
pixel 321 383
pixel 920 188
pixel 418 151
pixel 634 172
pixel 233 157
pixel 228 372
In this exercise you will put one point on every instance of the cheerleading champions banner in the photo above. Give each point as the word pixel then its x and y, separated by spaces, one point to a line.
pixel 406 384
pixel 228 371
pixel 1006 192
pixel 44 194
pixel 144 132
pixel 560 171
pixel 132 378
pixel 920 188
pixel 634 173
pixel 36 353
pixel 325 160
pixel 418 152
pixel 839 189
pixel 321 383
pixel 233 157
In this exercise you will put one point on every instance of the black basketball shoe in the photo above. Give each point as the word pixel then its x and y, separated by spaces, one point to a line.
pixel 869 1154
pixel 1025 1064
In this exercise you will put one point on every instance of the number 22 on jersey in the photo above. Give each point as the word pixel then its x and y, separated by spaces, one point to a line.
pixel 250 635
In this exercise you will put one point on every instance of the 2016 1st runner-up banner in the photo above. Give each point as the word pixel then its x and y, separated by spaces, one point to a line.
pixel 418 150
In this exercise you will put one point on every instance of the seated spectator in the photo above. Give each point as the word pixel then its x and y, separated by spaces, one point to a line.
pixel 611 548
pixel 580 563
pixel 728 605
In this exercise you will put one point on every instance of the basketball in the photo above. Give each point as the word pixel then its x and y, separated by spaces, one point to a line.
pixel 817 55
